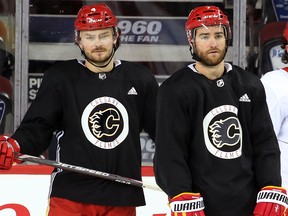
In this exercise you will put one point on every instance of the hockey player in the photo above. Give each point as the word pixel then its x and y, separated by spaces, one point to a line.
pixel 276 88
pixel 99 107
pixel 215 144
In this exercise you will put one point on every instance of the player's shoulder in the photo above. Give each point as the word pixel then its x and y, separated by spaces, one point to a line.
pixel 242 72
pixel 63 66
pixel 178 77
pixel 65 63
pixel 133 70
pixel 63 69
pixel 245 75
pixel 179 82
pixel 276 80
pixel 279 74
pixel 133 66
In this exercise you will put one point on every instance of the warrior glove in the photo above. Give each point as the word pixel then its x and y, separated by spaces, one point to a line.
pixel 8 147
pixel 271 201
pixel 188 204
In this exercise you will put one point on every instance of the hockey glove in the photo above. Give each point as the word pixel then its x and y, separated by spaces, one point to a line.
pixel 271 201
pixel 187 204
pixel 7 148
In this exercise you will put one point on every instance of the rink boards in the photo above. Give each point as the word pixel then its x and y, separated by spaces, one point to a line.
pixel 24 191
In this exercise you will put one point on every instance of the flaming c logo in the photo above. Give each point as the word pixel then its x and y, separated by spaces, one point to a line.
pixel 223 132
pixel 20 210
pixel 105 122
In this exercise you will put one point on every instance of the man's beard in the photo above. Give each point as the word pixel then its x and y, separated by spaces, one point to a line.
pixel 211 61
pixel 99 60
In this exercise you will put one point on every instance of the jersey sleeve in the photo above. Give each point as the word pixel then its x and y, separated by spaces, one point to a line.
pixel 172 135
pixel 275 107
pixel 150 107
pixel 35 131
pixel 265 146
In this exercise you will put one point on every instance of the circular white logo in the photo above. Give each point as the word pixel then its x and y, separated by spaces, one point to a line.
pixel 223 132
pixel 105 122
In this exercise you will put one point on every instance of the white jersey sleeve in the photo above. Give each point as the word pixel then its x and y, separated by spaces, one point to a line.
pixel 276 89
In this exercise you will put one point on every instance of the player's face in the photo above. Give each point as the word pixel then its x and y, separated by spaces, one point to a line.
pixel 210 44
pixel 97 44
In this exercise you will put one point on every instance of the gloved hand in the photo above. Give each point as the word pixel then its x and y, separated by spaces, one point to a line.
pixel 7 148
pixel 187 204
pixel 271 201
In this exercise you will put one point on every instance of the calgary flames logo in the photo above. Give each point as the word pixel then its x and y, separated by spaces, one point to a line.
pixel 225 132
pixel 105 122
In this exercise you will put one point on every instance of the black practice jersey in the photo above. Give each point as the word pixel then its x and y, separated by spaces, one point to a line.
pixel 99 117
pixel 215 137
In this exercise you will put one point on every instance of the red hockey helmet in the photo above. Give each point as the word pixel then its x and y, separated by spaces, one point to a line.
pixel 97 16
pixel 206 16
pixel 285 33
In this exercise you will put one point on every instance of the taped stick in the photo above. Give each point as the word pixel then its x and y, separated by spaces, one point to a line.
pixel 86 171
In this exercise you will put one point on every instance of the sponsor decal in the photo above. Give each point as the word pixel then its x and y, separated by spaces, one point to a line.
pixel 272 196
pixel 187 206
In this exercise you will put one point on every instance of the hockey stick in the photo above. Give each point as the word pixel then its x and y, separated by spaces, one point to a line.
pixel 86 171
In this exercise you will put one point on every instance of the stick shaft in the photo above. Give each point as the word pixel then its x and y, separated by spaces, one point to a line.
pixel 86 171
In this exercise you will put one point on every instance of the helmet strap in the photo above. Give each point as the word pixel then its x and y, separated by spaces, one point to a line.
pixel 194 54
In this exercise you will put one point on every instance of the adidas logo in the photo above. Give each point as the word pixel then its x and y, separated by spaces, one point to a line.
pixel 244 98
pixel 132 91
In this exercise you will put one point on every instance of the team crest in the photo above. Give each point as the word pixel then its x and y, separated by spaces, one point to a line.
pixel 105 122
pixel 223 132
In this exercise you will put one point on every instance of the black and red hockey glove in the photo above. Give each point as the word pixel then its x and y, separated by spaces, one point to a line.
pixel 7 148
pixel 271 201
pixel 187 204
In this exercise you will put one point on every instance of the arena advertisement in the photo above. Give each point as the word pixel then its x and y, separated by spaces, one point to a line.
pixel 136 30
pixel 34 81
pixel 280 8
pixel 148 149
pixel 29 194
